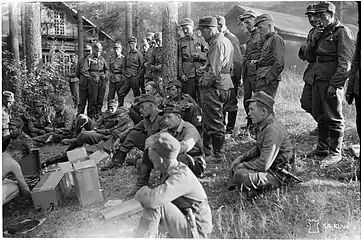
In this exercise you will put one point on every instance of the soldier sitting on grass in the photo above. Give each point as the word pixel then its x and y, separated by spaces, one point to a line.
pixel 259 168
pixel 36 120
pixel 16 132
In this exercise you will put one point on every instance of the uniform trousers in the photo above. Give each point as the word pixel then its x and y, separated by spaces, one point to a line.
pixel 97 91
pixel 328 114
pixel 231 106
pixel 121 87
pixel 84 96
pixel 190 87
pixel 74 90
pixel 306 98
pixel 269 88
pixel 89 137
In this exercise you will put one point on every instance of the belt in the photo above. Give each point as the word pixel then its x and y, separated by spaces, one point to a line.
pixel 96 70
pixel 321 59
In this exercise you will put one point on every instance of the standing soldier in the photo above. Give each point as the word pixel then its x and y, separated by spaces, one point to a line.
pixel 148 55
pixel 84 90
pixel 8 100
pixel 272 59
pixel 216 85
pixel 73 80
pixel 308 76
pixel 117 84
pixel 133 66
pixel 231 106
pixel 253 51
pixel 156 62
pixel 96 70
pixel 144 49
pixel 192 51
pixel 334 49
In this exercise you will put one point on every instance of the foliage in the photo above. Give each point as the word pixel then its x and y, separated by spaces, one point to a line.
pixel 46 83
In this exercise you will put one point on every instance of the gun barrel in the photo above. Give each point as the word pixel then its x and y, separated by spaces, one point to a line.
pixel 289 174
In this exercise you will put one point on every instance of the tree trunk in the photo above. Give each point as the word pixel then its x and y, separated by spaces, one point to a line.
pixel 80 35
pixel 14 36
pixel 128 23
pixel 188 9
pixel 136 21
pixel 33 34
pixel 170 49
pixel 23 35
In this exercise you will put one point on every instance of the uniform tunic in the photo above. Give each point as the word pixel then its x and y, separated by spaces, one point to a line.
pixel 118 83
pixel 133 66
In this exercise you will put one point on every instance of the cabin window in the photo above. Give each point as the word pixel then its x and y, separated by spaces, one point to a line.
pixel 59 23
pixel 46 58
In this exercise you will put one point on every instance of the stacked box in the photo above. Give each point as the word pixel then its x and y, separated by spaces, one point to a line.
pixel 49 191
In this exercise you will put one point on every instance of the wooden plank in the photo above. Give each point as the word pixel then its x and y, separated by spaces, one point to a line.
pixel 123 210
pixel 77 155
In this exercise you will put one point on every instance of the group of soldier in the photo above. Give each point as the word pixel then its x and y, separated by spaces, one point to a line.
pixel 182 124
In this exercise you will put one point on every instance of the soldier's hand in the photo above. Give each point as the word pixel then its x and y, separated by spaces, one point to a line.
pixel 201 70
pixel 236 162
pixel 184 78
pixel 331 92
pixel 349 98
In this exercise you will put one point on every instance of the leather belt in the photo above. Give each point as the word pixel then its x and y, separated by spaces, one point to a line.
pixel 321 59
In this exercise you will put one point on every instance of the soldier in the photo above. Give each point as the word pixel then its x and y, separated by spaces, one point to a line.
pixel 133 66
pixel 150 125
pixel 334 47
pixel 306 97
pixel 192 51
pixel 148 72
pixel 190 111
pixel 37 120
pixel 231 106
pixel 96 70
pixel 144 49
pixel 16 150
pixel 118 84
pixel 73 80
pixel 156 62
pixel 84 90
pixel 179 204
pixel 253 51
pixel 216 85
pixel 16 132
pixel 272 59
pixel 258 168
pixel 151 89
pixel 8 100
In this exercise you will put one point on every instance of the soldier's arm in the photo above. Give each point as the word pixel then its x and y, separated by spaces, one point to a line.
pixel 215 60
pixel 190 138
pixel 77 71
pixel 268 152
pixel 99 122
pixel 177 185
pixel 68 123
pixel 14 167
pixel 106 68
pixel 33 129
pixel 204 50
pixel 141 63
pixel 354 67
pixel 124 129
pixel 345 51
pixel 278 51
pixel 85 69
pixel 140 126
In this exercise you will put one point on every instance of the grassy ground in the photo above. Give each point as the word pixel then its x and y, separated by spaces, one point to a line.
pixel 320 208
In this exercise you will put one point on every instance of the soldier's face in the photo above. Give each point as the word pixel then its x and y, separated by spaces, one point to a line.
pixel 323 19
pixel 263 29
pixel 145 109
pixel 145 47
pixel 173 92
pixel 150 90
pixel 15 131
pixel 132 45
pixel 18 155
pixel 159 42
pixel 118 51
pixel 187 30
pixel 97 52
pixel 311 19
pixel 206 33
pixel 87 52
pixel 171 120
pixel 112 108
pixel 248 24
pixel 256 113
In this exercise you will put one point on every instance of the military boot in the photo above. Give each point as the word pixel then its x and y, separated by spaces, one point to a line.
pixel 322 143
pixel 231 122
pixel 207 144
pixel 335 154
pixel 116 162
pixel 217 143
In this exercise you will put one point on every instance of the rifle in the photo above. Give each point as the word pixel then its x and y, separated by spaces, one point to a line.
pixel 287 173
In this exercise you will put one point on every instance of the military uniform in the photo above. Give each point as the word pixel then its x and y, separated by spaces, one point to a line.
pixel 84 88
pixel 192 51
pixel 35 123
pixel 334 50
pixel 16 132
pixel 216 85
pixel 258 168
pixel 148 71
pixel 118 84
pixel 156 63
pixel 271 62
pixel 74 83
pixel 96 70
pixel 133 67
pixel 179 204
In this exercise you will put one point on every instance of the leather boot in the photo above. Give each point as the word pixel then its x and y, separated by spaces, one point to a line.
pixel 217 143
pixel 116 162
pixel 231 122
pixel 323 136
pixel 207 144
pixel 335 154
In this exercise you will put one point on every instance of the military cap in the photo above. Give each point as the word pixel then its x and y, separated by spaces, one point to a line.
pixel 324 7
pixel 158 35
pixel 87 48
pixel 175 83
pixel 117 45
pixel 113 103
pixel 186 21
pixel 37 103
pixel 246 14
pixel 150 36
pixel 207 21
pixel 221 20
pixel 264 98
pixel 16 122
pixel 145 98
pixel 262 18
pixel 97 46
pixel 171 108
pixel 9 96
pixel 310 9
pixel 165 145
pixel 132 39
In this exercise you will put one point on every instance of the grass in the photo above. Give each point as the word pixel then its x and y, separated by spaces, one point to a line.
pixel 319 208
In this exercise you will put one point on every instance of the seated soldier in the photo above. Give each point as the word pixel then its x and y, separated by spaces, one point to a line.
pixel 16 132
pixel 61 124
pixel 16 150
pixel 136 137
pixel 179 204
pixel 191 112
pixel 151 89
pixel 36 120
pixel 191 151
pixel 259 168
